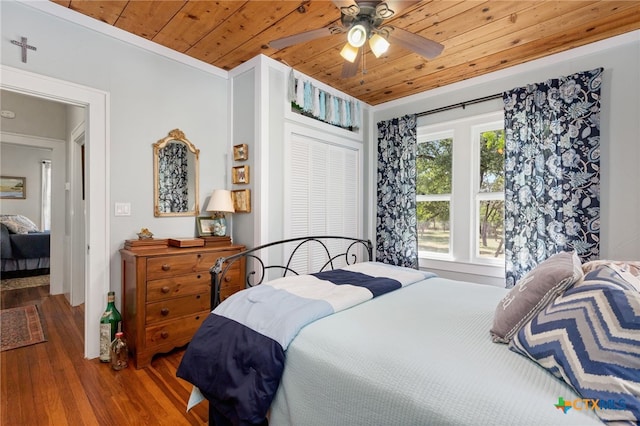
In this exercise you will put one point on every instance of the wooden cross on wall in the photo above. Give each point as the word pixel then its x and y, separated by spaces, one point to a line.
pixel 23 44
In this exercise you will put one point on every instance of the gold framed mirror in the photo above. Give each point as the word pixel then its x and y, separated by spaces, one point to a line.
pixel 176 173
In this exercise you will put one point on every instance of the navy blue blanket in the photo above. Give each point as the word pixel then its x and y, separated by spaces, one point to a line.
pixel 33 245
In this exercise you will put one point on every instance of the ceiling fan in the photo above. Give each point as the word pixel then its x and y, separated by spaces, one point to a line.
pixel 364 21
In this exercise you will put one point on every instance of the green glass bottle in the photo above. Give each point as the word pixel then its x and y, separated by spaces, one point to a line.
pixel 109 324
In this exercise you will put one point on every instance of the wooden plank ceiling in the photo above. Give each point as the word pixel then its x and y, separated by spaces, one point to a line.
pixel 478 36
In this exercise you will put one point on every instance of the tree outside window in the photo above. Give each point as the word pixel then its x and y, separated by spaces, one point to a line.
pixel 433 161
pixel 490 198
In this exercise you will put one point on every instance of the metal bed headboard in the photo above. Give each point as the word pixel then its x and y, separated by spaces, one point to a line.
pixel 259 271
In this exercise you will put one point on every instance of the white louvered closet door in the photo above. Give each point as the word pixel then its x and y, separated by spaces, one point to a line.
pixel 323 180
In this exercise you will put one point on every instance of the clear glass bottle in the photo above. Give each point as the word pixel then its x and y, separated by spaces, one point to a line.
pixel 109 325
pixel 119 352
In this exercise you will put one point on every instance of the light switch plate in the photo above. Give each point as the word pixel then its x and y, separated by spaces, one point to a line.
pixel 123 209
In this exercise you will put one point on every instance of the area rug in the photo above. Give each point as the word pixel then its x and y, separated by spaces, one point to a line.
pixel 24 282
pixel 20 327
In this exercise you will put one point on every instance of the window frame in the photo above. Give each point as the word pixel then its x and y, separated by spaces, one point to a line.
pixel 428 137
pixel 465 196
pixel 476 130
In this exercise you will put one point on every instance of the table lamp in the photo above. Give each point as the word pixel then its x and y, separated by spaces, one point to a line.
pixel 219 204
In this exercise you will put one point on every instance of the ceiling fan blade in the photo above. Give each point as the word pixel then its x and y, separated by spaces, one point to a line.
pixel 398 6
pixel 416 43
pixel 302 37
pixel 350 69
pixel 350 7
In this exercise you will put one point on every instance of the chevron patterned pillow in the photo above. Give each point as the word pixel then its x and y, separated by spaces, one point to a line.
pixel 590 338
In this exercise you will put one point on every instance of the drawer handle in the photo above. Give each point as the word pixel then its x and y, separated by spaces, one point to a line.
pixel 227 279
pixel 164 334
pixel 199 255
pixel 198 317
pixel 164 311
pixel 199 276
pixel 166 267
pixel 198 296
pixel 165 289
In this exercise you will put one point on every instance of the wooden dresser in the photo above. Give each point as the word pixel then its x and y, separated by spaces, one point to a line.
pixel 166 294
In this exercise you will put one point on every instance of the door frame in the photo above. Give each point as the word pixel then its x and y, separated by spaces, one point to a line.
pixel 75 250
pixel 97 105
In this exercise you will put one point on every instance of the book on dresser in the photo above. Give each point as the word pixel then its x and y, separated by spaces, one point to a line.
pixel 166 294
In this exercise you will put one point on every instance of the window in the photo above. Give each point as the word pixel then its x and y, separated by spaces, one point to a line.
pixel 460 190
pixel 433 193
pixel 45 219
pixel 489 241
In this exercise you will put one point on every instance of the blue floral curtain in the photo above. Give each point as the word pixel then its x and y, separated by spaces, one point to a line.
pixel 396 232
pixel 552 156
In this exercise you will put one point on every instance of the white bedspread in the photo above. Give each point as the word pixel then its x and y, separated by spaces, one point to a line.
pixel 417 356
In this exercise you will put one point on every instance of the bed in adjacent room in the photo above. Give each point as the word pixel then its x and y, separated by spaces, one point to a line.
pixel 418 354
pixel 24 249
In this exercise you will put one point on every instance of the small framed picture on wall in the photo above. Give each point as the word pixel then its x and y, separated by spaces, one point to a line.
pixel 241 152
pixel 241 200
pixel 13 187
pixel 240 174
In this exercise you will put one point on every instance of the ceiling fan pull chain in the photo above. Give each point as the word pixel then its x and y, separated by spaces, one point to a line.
pixel 364 68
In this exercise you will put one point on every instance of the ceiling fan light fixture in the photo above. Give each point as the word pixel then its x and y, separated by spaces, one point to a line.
pixel 357 35
pixel 378 45
pixel 349 53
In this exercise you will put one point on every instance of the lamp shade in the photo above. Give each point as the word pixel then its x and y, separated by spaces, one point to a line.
pixel 378 45
pixel 357 35
pixel 220 201
pixel 349 52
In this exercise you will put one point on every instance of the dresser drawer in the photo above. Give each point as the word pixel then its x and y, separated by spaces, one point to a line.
pixel 180 285
pixel 232 282
pixel 168 266
pixel 171 309
pixel 178 331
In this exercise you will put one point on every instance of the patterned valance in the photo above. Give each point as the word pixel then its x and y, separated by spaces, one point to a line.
pixel 310 100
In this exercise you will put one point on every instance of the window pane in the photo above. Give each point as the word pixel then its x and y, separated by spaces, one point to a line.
pixel 492 161
pixel 433 164
pixel 433 226
pixel 491 237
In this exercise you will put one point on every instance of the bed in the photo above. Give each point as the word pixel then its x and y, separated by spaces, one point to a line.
pixel 417 355
pixel 24 250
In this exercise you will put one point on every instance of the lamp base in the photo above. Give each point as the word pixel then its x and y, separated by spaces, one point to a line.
pixel 219 227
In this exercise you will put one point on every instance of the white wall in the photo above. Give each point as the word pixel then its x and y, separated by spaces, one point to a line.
pixel 244 132
pixel 24 161
pixel 33 116
pixel 150 94
pixel 620 126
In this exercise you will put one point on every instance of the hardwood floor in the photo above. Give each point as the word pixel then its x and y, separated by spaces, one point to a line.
pixel 51 383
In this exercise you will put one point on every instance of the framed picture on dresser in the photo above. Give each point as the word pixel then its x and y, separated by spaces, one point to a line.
pixel 205 226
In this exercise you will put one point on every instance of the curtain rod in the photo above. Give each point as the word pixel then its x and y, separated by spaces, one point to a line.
pixel 461 104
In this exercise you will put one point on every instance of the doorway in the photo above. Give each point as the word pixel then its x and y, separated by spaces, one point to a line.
pixel 96 105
